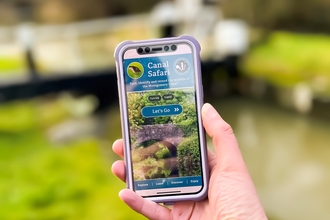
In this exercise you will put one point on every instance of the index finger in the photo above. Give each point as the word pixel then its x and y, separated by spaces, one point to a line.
pixel 228 155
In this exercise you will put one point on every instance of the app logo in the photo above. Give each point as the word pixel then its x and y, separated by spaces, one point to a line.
pixel 135 70
pixel 181 66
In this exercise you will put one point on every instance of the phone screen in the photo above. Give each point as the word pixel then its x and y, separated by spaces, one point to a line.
pixel 162 118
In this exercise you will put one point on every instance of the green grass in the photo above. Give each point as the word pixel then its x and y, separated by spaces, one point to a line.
pixel 43 180
pixel 288 58
pixel 10 66
pixel 20 116
pixel 17 117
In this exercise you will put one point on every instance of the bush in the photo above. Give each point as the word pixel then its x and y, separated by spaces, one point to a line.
pixel 189 157
pixel 189 130
pixel 150 168
pixel 163 153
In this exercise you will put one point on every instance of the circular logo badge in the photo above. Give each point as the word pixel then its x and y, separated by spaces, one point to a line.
pixel 181 66
pixel 135 70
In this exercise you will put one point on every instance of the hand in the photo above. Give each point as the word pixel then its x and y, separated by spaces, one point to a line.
pixel 231 191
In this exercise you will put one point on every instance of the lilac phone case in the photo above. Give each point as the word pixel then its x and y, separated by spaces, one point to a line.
pixel 124 117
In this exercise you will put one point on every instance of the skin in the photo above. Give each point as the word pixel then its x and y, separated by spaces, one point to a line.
pixel 231 195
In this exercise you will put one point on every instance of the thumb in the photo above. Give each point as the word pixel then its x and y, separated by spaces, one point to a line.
pixel 228 154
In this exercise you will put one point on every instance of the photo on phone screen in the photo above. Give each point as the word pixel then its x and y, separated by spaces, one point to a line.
pixel 162 119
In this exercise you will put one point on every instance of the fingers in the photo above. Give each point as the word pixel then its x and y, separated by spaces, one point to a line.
pixel 232 190
pixel 149 209
pixel 118 168
pixel 118 147
pixel 211 158
pixel 228 153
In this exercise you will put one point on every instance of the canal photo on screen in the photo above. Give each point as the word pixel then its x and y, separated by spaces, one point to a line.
pixel 164 134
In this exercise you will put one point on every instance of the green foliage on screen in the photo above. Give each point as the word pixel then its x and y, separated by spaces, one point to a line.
pixel 137 101
pixel 163 153
pixel 189 157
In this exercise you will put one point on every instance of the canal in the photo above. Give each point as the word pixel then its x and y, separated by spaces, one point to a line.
pixel 288 156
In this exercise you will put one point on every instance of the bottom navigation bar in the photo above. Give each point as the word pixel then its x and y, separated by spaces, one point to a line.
pixel 168 183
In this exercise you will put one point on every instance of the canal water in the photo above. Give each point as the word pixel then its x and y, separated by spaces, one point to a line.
pixel 288 156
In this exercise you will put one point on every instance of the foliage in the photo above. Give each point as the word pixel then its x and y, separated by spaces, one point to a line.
pixel 287 58
pixel 41 180
pixel 163 153
pixel 150 168
pixel 12 66
pixel 17 117
pixel 187 120
pixel 20 116
pixel 154 166
pixel 189 130
pixel 282 14
pixel 166 172
pixel 189 157
pixel 137 101
pixel 72 181
pixel 134 109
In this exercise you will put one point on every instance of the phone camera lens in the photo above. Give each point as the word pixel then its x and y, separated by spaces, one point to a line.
pixel 140 50
pixel 166 48
pixel 173 47
pixel 147 50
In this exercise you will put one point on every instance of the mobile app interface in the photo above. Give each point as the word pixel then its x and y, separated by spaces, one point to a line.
pixel 163 124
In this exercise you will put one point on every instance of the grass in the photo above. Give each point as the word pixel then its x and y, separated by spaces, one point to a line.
pixel 20 116
pixel 12 66
pixel 40 181
pixel 43 180
pixel 289 58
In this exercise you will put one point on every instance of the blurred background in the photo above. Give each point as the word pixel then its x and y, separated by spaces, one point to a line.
pixel 265 68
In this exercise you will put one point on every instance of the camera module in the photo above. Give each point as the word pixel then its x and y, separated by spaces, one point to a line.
pixel 166 48
pixel 147 49
pixel 140 50
pixel 173 47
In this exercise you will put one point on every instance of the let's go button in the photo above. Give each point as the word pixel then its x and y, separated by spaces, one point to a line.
pixel 163 110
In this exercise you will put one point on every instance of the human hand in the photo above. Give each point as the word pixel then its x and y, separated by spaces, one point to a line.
pixel 231 191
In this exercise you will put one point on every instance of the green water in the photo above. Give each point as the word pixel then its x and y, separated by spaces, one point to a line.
pixel 288 156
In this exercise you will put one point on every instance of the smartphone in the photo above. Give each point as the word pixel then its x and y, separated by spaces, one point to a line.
pixel 161 96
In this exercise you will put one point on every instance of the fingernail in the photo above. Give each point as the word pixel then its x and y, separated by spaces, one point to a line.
pixel 210 111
